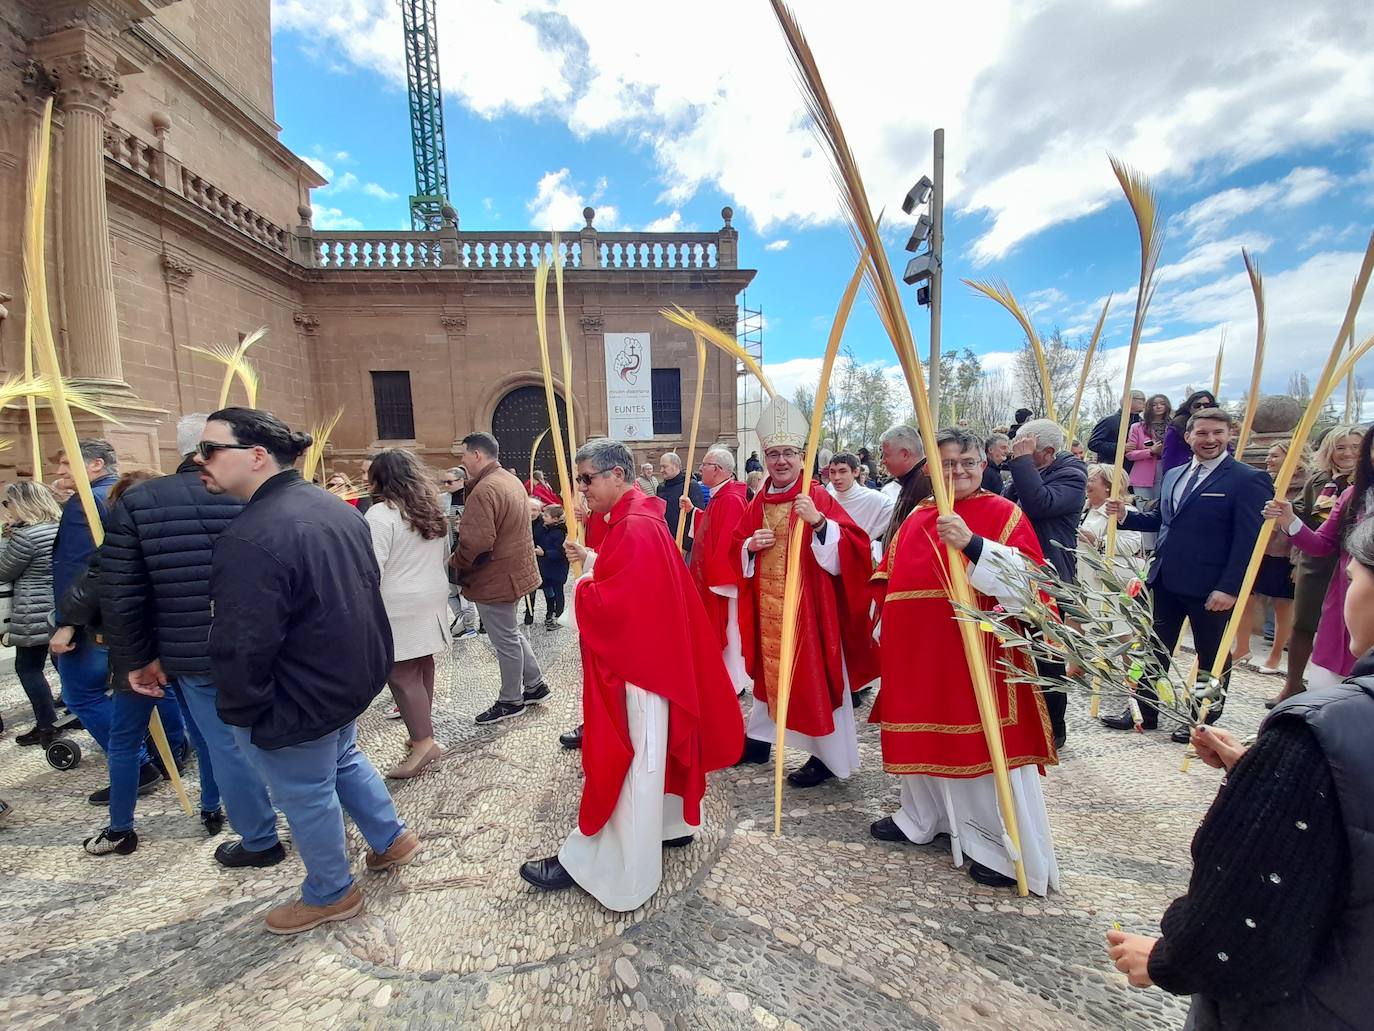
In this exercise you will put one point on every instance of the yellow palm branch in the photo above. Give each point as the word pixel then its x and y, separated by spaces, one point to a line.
pixel 1083 375
pixel 1261 331
pixel 319 439
pixel 680 316
pixel 830 134
pixel 235 363
pixel 997 290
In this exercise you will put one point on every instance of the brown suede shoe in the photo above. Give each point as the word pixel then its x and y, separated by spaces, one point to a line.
pixel 401 852
pixel 295 917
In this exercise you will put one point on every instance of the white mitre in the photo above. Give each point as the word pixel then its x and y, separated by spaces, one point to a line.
pixel 781 425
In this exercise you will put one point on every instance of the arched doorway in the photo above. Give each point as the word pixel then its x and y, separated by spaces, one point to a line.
pixel 520 417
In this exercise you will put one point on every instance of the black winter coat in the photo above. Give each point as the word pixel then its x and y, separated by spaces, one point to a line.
pixel 1102 440
pixel 155 572
pixel 553 564
pixel 1053 498
pixel 300 642
pixel 671 493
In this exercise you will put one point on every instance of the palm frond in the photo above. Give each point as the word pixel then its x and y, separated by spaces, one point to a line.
pixel 319 440
pixel 680 316
pixel 41 388
pixel 1141 197
pixel 1261 331
pixel 1083 375
pixel 1216 371
pixel 997 290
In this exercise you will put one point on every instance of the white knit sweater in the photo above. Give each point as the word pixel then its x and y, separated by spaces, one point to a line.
pixel 414 584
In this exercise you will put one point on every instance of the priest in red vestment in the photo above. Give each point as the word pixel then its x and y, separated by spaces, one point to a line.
pixel 659 714
pixel 712 556
pixel 835 646
pixel 930 730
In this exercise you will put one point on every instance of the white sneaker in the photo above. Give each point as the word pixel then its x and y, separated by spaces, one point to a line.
pixel 394 713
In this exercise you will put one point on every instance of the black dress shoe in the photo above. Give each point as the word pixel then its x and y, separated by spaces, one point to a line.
pixel 813 773
pixel 212 821
pixel 547 874
pixel 572 739
pixel 681 842
pixel 233 855
pixel 886 829
pixel 755 752
pixel 990 878
pixel 1148 721
pixel 149 777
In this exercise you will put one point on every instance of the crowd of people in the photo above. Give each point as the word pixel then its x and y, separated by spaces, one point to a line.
pixel 258 616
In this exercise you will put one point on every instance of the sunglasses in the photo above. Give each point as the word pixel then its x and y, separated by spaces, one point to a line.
pixel 585 479
pixel 450 481
pixel 207 448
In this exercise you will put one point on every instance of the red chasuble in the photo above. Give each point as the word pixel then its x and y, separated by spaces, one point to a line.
pixel 713 540
pixel 832 617
pixel 927 709
pixel 642 622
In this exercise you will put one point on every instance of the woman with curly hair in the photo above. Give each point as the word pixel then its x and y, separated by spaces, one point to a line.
pixel 410 539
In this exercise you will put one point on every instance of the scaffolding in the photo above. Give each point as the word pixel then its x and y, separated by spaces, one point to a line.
pixel 426 115
pixel 748 390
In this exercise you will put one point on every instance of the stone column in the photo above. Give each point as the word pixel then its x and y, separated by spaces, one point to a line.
pixel 85 88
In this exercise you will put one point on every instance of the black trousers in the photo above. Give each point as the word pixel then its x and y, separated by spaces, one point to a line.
pixel 553 599
pixel 1170 611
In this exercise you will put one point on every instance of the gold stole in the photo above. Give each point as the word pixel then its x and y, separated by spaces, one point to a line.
pixel 770 569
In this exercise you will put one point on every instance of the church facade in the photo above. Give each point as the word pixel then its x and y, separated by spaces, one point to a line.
pixel 176 218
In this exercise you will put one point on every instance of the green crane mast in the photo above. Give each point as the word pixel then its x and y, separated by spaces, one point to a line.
pixel 426 114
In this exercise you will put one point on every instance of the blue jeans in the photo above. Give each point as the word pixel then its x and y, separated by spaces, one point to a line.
pixel 246 803
pixel 85 676
pixel 126 752
pixel 315 783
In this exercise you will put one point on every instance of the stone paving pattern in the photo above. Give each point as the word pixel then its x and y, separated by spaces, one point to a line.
pixel 822 928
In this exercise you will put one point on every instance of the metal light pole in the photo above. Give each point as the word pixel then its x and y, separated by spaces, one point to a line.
pixel 937 245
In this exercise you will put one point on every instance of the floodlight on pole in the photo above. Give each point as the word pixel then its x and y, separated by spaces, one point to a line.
pixel 920 268
pixel 918 194
pixel 920 233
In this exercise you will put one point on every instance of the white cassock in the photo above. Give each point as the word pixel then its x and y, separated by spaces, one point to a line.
pixel 733 652
pixel 966 808
pixel 839 749
pixel 871 509
pixel 621 865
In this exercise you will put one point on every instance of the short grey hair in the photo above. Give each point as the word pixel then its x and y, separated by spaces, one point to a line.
pixel 967 441
pixel 904 437
pixel 824 456
pixel 1047 433
pixel 672 458
pixel 606 454
pixel 457 473
pixel 722 457
pixel 994 440
pixel 189 429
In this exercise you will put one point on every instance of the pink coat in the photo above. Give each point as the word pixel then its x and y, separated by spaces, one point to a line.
pixel 1331 649
pixel 1144 463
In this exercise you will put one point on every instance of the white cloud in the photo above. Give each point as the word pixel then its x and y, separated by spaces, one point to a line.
pixel 557 204
pixel 333 218
pixel 379 191
pixel 670 223
pixel 1213 214
pixel 1032 95
pixel 776 245
pixel 321 166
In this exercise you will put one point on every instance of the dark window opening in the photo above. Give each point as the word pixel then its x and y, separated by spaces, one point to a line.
pixel 667 395
pixel 395 413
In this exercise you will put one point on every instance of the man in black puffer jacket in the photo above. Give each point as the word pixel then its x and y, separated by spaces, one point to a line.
pixel 155 603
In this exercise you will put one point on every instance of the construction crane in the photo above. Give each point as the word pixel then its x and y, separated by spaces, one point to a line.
pixel 426 115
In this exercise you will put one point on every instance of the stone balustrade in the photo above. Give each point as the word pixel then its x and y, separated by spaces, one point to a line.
pixel 446 248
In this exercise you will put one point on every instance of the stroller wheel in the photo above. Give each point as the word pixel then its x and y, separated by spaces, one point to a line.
pixel 63 754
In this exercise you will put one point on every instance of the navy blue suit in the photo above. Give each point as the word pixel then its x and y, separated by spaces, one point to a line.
pixel 1204 545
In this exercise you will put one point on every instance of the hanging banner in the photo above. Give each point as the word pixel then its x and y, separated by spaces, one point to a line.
pixel 629 391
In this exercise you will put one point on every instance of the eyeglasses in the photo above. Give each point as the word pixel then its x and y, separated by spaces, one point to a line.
pixel 966 464
pixel 207 448
pixel 712 465
pixel 585 479
pixel 784 452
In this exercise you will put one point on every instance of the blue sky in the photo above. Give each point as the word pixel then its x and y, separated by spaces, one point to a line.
pixel 1255 122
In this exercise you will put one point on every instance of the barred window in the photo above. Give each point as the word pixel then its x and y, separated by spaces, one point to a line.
pixel 395 413
pixel 667 395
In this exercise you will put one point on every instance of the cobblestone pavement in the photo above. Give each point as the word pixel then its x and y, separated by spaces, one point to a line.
pixel 823 928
